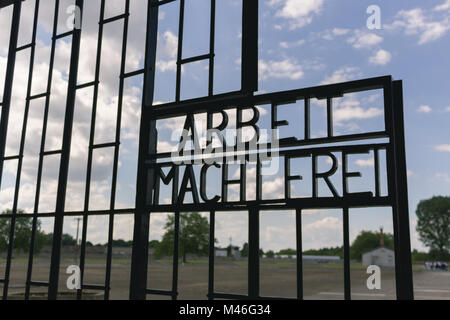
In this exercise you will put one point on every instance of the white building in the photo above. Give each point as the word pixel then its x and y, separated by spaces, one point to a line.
pixel 382 257
pixel 221 252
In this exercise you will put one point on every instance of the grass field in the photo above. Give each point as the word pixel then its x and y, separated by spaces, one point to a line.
pixel 277 279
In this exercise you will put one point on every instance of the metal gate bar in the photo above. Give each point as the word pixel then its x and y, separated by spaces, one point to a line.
pixel 6 105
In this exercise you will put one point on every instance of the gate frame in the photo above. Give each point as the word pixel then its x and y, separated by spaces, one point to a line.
pixel 147 145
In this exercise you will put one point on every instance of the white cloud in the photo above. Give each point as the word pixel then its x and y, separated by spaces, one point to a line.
pixel 284 69
pixel 443 176
pixel 444 6
pixel 348 113
pixel 342 75
pixel 340 31
pixel 447 109
pixel 362 39
pixel 298 12
pixel 330 34
pixel 415 22
pixel 365 162
pixel 287 45
pixel 274 188
pixel 167 52
pixel 351 108
pixel 424 109
pixel 381 57
pixel 326 232
pixel 443 147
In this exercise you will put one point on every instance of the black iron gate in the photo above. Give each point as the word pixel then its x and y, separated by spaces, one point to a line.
pixel 151 162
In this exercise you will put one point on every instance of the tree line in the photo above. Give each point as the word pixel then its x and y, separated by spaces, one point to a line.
pixel 433 227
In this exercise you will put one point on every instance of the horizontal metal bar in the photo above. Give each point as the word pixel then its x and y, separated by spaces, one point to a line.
pixel 70 213
pixel 197 58
pixel 5 3
pixel 63 35
pixel 93 287
pixel 132 74
pixel 159 111
pixel 299 143
pixel 85 85
pixel 161 292
pixel 360 148
pixel 277 298
pixel 52 152
pixel 105 145
pixel 12 158
pixel 120 16
pixel 39 284
pixel 160 3
pixel 37 96
pixel 279 204
pixel 231 296
pixel 237 99
pixel 29 45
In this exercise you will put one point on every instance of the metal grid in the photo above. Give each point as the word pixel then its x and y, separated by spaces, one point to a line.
pixel 148 156
pixel 396 175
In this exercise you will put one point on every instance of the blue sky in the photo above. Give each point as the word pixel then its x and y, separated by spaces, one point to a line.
pixel 302 43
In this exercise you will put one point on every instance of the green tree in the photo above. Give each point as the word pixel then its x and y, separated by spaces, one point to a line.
pixel 151 244
pixel 68 240
pixel 244 250
pixel 288 252
pixel 419 256
pixel 333 251
pixel 193 236
pixel 433 225
pixel 22 234
pixel 369 240
pixel 270 254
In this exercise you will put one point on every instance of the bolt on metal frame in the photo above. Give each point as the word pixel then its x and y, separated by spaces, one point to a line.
pixel 395 150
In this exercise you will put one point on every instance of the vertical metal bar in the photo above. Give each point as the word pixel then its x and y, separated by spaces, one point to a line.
pixel 9 82
pixel 180 51
pixel 253 253
pixel 347 284
pixel 147 145
pixel 249 71
pixel 25 120
pixel 258 179
pixel 116 151
pixel 405 289
pixel 390 166
pixel 377 171
pixel 211 48
pixel 330 117
pixel 90 151
pixel 43 138
pixel 298 222
pixel 176 251
pixel 212 252
pixel 4 125
pixel 307 118
pixel 65 156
